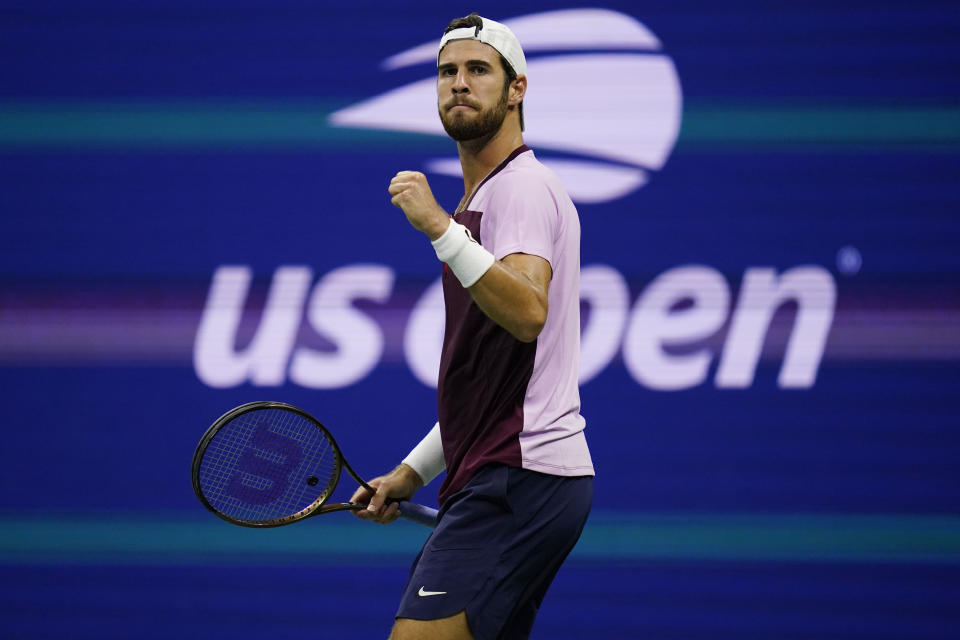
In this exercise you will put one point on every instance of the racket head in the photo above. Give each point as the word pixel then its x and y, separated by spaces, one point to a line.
pixel 266 464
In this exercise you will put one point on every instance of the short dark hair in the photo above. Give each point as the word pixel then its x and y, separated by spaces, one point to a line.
pixel 474 20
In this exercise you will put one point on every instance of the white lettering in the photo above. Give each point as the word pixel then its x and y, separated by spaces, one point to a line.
pixel 655 324
pixel 662 336
pixel 606 293
pixel 761 294
pixel 358 338
pixel 423 339
pixel 264 361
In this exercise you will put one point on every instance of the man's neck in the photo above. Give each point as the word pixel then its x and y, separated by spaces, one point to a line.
pixel 479 157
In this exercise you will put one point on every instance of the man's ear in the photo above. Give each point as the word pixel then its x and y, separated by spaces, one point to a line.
pixel 518 89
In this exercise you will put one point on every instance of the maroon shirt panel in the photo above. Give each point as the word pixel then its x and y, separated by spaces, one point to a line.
pixel 484 373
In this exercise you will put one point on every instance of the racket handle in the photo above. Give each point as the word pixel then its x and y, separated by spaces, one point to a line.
pixel 418 513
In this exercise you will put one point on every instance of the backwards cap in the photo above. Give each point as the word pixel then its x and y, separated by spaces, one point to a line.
pixel 496 35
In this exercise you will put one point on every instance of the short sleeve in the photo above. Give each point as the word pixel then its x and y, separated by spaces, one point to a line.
pixel 520 217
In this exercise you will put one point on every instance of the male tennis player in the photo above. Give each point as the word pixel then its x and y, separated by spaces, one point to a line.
pixel 519 479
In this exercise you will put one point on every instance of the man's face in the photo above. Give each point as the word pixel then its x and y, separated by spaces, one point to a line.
pixel 471 94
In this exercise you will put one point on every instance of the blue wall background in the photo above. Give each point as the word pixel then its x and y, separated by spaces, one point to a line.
pixel 144 146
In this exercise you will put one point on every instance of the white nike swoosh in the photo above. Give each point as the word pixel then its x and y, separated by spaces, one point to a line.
pixel 424 594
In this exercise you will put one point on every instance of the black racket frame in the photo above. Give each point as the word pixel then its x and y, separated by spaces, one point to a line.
pixel 317 507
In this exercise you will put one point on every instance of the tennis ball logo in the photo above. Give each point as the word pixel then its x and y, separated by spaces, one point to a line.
pixel 614 116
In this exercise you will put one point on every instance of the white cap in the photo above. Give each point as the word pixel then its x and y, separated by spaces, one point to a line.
pixel 496 35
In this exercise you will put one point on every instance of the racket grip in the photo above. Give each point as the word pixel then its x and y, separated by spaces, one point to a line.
pixel 418 513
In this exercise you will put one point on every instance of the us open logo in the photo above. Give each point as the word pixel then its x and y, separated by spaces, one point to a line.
pixel 603 106
pixel 603 110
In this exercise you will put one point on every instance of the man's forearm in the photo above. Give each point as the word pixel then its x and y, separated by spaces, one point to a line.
pixel 513 293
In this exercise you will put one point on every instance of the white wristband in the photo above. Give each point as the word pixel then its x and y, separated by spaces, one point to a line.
pixel 427 457
pixel 464 255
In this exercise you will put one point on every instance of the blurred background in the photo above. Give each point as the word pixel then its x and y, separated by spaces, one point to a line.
pixel 193 215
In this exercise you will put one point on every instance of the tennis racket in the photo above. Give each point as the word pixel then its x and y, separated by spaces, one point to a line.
pixel 267 464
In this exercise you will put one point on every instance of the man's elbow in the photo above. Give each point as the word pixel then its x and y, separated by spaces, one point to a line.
pixel 529 329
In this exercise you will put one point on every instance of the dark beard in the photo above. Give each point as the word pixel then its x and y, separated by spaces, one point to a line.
pixel 487 124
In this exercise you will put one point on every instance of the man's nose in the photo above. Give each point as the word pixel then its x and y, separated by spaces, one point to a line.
pixel 460 83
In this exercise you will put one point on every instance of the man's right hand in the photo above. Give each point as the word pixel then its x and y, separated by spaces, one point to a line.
pixel 401 483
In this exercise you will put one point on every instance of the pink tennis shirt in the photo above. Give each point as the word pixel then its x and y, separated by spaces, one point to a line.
pixel 501 400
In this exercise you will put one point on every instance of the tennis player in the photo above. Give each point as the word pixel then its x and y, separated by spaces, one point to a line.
pixel 519 478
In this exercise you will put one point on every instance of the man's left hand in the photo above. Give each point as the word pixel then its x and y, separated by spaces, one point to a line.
pixel 411 192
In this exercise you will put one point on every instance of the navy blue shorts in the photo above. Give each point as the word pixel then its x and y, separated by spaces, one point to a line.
pixel 499 543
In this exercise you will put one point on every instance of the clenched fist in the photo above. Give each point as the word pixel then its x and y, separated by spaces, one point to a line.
pixel 411 192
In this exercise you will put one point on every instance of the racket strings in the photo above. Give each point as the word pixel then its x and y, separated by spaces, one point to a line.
pixel 266 465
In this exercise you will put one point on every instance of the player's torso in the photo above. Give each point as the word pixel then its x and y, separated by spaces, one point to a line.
pixel 500 399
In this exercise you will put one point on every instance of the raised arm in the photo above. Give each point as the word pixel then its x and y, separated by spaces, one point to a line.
pixel 511 291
